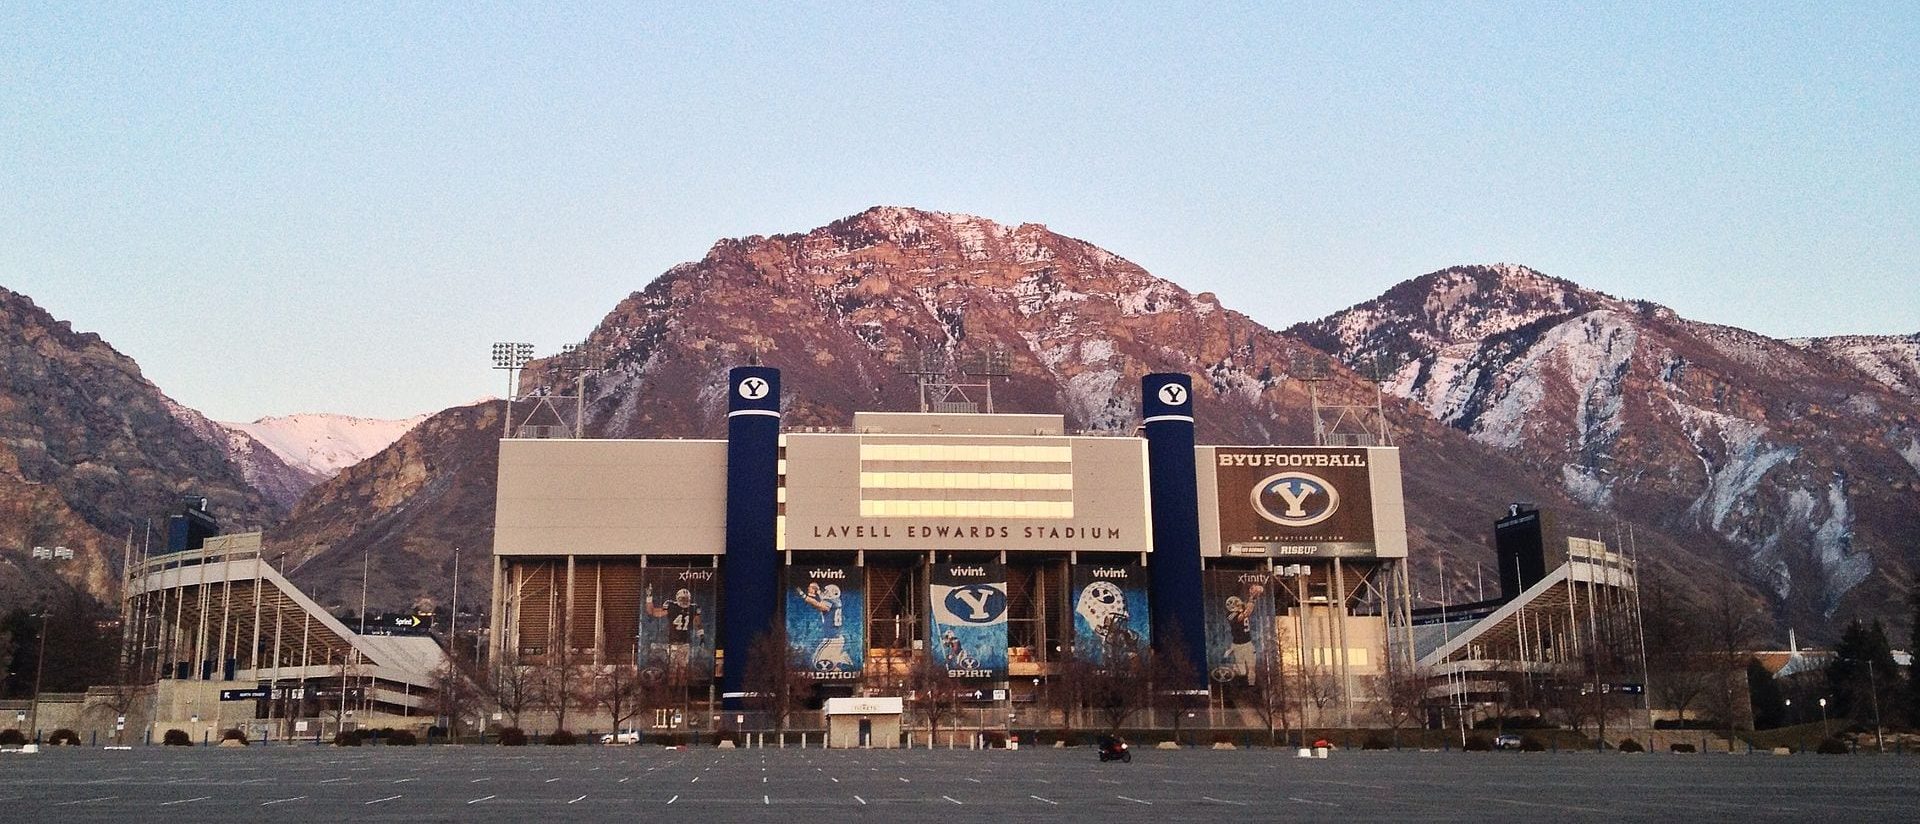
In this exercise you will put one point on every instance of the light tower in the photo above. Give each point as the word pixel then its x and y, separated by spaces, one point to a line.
pixel 961 382
pixel 511 357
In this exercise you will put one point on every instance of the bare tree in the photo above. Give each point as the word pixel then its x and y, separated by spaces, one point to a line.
pixel 515 690
pixel 937 696
pixel 621 690
pixel 1066 688
pixel 1171 679
pixel 778 680
pixel 1403 696
pixel 1730 627
pixel 1321 689
pixel 562 683
pixel 1681 676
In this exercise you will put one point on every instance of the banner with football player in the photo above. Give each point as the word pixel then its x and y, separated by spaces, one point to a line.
pixel 1239 609
pixel 827 619
pixel 676 624
pixel 969 620
pixel 1110 618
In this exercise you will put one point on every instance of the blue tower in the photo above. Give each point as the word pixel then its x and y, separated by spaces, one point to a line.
pixel 750 569
pixel 1179 620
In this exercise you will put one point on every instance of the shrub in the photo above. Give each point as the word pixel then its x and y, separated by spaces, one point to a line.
pixel 177 738
pixel 994 740
pixel 1531 744
pixel 1479 743
pixel 64 737
pixel 513 737
pixel 402 738
pixel 1677 747
pixel 1374 742
pixel 235 734
pixel 349 738
pixel 562 738
pixel 1630 745
pixel 1832 746
pixel 12 738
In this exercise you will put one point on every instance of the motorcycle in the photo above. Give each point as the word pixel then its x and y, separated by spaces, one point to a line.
pixel 1114 749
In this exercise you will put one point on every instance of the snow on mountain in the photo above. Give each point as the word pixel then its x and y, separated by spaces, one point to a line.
pixel 1794 453
pixel 324 444
pixel 1890 359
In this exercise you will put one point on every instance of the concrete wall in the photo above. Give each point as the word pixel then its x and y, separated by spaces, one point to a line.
pixel 607 497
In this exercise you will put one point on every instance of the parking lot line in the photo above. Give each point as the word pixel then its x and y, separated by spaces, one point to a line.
pixel 184 801
pixel 577 800
pixel 1044 800
pixel 281 801
pixel 1134 800
pixel 1222 801
pixel 87 800
pixel 482 798
pixel 859 799
pixel 380 800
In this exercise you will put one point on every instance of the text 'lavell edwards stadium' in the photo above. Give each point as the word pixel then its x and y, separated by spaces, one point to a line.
pixel 995 546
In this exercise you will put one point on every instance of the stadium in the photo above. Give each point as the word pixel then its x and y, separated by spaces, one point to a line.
pixel 1000 549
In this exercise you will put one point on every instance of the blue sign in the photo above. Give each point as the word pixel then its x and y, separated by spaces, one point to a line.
pixel 1111 620
pixel 827 620
pixel 969 620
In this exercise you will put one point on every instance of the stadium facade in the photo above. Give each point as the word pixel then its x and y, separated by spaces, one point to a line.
pixel 995 545
pixel 219 639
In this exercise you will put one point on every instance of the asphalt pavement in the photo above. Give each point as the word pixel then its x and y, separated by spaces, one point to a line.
pixel 554 784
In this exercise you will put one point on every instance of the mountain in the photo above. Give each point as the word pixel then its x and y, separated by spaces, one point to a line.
pixel 838 309
pixel 1893 360
pixel 321 444
pixel 1795 462
pixel 90 451
pixel 403 511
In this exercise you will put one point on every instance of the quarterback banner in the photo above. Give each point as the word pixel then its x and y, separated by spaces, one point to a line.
pixel 827 619
pixel 1278 502
pixel 676 632
pixel 1240 625
pixel 1110 617
pixel 969 626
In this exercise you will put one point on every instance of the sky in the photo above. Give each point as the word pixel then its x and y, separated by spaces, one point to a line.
pixel 280 208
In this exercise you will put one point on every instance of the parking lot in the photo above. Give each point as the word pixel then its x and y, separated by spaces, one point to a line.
pixel 592 783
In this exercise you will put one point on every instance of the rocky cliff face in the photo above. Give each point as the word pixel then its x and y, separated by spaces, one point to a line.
pixel 1791 458
pixel 90 450
pixel 838 309
pixel 1893 360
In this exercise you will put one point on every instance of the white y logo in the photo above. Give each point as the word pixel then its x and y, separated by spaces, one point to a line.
pixel 1294 494
pixel 1173 395
pixel 977 600
pixel 753 389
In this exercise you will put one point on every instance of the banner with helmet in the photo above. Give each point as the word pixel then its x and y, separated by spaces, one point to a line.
pixel 1240 626
pixel 1110 617
pixel 969 620
pixel 827 619
pixel 677 624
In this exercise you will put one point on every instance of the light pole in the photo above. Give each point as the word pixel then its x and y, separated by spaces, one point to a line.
pixel 453 684
pixel 1873 691
pixel 1823 719
pixel 39 668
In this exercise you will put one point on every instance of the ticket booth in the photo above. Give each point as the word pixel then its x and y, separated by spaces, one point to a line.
pixel 854 723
